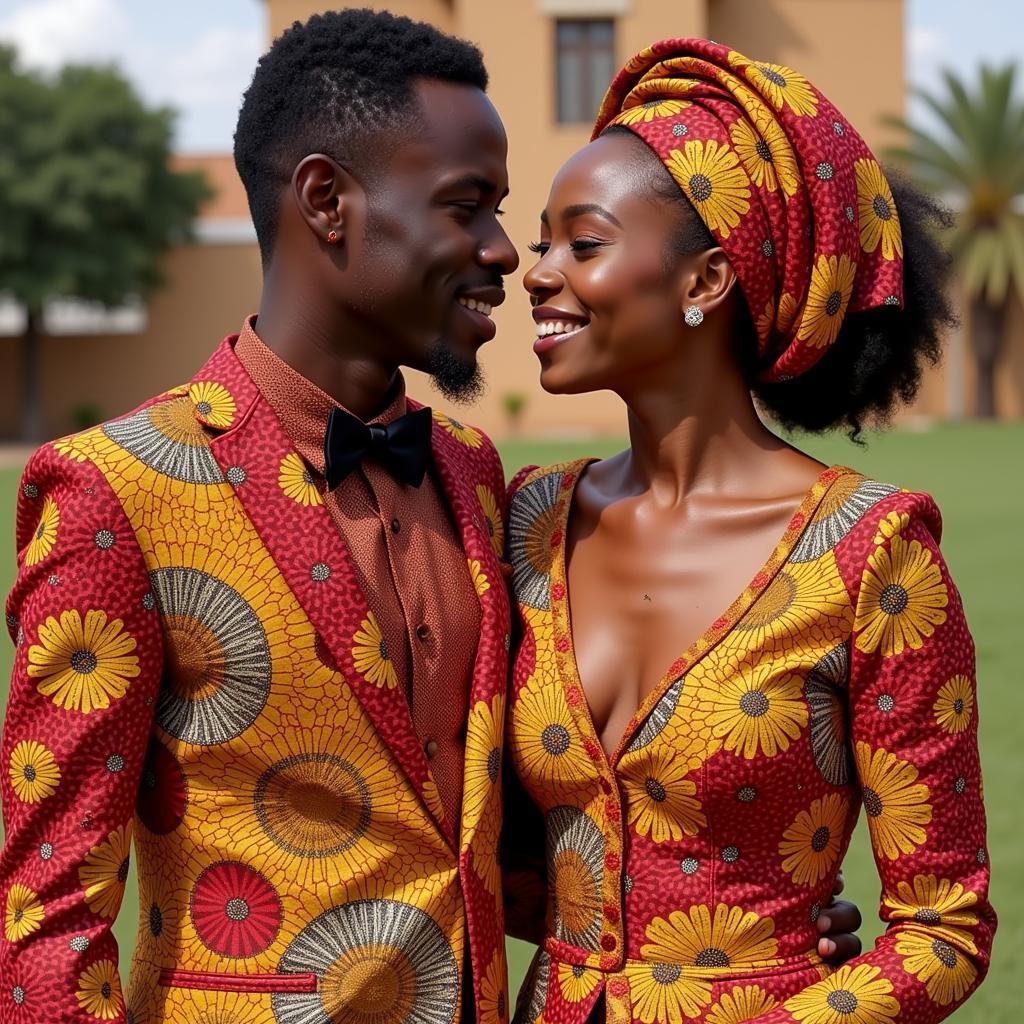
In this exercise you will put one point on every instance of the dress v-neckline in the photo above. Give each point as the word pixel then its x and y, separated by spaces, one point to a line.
pixel 560 606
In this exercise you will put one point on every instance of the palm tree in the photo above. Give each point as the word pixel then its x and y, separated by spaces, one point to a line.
pixel 974 160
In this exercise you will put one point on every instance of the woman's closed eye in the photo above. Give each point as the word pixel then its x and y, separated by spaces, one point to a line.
pixel 576 245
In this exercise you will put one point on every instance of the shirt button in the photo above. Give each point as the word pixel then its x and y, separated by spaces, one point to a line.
pixel 431 748
pixel 422 631
pixel 395 526
pixel 608 942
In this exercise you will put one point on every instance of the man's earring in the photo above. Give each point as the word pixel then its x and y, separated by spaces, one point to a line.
pixel 694 316
pixel 332 237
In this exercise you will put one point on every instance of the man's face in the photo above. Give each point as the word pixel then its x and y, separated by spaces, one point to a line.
pixel 429 268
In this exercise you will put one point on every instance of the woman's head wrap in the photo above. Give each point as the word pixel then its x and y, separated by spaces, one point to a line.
pixel 781 179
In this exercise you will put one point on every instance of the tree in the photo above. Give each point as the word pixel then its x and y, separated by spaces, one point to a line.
pixel 975 161
pixel 88 201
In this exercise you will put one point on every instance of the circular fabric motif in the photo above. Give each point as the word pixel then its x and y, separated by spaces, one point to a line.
pixel 825 688
pixel 217 678
pixel 313 804
pixel 235 910
pixel 168 438
pixel 661 714
pixel 531 524
pixel 163 790
pixel 534 993
pixel 378 962
pixel 575 854
pixel 839 512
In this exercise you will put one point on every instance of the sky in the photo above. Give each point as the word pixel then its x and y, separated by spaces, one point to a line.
pixel 198 55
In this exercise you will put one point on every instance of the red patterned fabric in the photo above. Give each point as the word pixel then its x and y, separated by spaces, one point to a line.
pixel 198 677
pixel 686 870
pixel 781 179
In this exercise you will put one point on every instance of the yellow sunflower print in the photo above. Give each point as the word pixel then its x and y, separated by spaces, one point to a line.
pixel 781 86
pixel 810 846
pixel 766 154
pixel 662 994
pixel 577 983
pixel 481 584
pixel 896 803
pixel 660 798
pixel 827 299
pixel 45 535
pixel 99 990
pixel 732 937
pixel 940 904
pixel 741 1004
pixel 469 436
pixel 890 525
pixel 493 991
pixel 714 181
pixel 853 995
pixel 492 516
pixel 105 871
pixel 486 842
pixel 297 482
pixel 651 109
pixel 944 970
pixel 902 598
pixel 370 654
pixel 879 222
pixel 213 402
pixel 483 755
pixel 766 321
pixel 787 311
pixel 756 711
pixel 24 913
pixel 34 772
pixel 83 665
pixel 546 742
pixel 955 704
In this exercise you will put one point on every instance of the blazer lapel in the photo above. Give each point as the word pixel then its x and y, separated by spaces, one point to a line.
pixel 314 560
pixel 453 460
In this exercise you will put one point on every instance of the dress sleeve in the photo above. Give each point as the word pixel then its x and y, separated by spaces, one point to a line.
pixel 913 730
pixel 87 667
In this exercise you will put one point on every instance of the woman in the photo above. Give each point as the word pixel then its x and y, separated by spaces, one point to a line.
pixel 700 757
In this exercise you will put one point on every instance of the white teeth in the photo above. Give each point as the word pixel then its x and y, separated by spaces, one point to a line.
pixel 480 307
pixel 546 327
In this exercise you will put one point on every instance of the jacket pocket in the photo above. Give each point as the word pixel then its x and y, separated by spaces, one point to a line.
pixel 213 981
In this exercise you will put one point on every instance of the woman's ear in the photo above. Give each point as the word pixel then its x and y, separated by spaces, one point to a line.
pixel 707 281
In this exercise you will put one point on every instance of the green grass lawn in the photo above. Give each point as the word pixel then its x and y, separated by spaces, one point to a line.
pixel 976 473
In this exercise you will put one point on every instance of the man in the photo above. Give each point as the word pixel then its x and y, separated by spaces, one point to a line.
pixel 261 621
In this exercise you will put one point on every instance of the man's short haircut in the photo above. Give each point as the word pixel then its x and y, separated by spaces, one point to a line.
pixel 339 84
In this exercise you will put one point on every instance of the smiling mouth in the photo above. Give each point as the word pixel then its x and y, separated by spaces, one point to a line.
pixel 563 327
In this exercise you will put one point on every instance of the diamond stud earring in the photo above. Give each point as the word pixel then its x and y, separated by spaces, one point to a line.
pixel 694 316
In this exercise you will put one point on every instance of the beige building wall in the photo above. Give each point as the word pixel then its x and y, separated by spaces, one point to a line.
pixel 852 49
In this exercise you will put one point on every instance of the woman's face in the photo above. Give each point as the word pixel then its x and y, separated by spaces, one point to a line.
pixel 608 298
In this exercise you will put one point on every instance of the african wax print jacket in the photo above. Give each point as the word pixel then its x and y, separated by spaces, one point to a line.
pixel 198 669
pixel 686 871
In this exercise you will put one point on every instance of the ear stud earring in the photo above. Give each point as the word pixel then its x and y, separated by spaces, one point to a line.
pixel 694 316
pixel 332 237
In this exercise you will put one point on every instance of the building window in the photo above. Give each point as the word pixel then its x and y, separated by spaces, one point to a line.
pixel 585 58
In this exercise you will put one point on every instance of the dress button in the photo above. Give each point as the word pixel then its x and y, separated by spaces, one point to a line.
pixel 608 942
pixel 395 526
pixel 431 748
pixel 422 631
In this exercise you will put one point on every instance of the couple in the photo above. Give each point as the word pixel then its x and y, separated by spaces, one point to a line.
pixel 262 624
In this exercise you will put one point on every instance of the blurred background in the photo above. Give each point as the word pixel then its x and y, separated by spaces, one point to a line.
pixel 127 253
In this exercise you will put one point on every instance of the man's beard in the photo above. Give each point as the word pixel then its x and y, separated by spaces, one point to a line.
pixel 461 381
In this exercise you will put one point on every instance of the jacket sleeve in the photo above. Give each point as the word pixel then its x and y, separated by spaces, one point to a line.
pixel 87 667
pixel 913 730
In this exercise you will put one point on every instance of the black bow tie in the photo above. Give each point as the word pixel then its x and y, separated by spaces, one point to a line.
pixel 402 447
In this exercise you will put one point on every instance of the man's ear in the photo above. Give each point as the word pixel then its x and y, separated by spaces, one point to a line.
pixel 324 192
pixel 707 280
